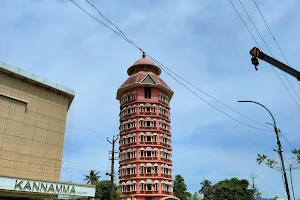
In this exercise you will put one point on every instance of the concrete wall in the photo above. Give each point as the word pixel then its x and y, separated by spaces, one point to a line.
pixel 31 134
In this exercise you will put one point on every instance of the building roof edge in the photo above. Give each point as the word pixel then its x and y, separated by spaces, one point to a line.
pixel 9 69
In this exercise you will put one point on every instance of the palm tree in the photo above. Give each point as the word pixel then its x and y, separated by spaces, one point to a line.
pixel 92 178
pixel 205 188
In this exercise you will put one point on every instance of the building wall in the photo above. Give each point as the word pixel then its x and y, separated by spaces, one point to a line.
pixel 31 134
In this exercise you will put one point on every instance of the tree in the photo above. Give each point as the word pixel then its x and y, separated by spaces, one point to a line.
pixel 228 189
pixel 257 193
pixel 92 178
pixel 271 163
pixel 232 189
pixel 103 190
pixel 206 189
pixel 195 196
pixel 180 189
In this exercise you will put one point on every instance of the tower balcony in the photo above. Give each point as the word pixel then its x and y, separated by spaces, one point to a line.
pixel 149 192
pixel 167 192
pixel 166 145
pixel 147 113
pixel 164 130
pixel 168 160
pixel 127 176
pixel 127 130
pixel 148 127
pixel 147 142
pixel 167 117
pixel 129 115
pixel 167 176
pixel 127 145
pixel 127 160
pixel 148 158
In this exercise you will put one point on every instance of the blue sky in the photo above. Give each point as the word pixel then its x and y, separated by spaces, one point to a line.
pixel 203 41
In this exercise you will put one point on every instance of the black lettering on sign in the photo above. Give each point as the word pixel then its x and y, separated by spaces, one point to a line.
pixel 18 185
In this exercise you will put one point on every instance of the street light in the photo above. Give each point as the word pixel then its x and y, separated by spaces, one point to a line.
pixel 279 146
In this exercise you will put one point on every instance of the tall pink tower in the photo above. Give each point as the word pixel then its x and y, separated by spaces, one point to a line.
pixel 145 159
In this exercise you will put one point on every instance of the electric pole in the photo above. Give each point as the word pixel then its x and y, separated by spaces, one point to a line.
pixel 282 162
pixel 253 178
pixel 276 130
pixel 112 172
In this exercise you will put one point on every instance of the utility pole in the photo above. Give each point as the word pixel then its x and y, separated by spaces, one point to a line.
pixel 291 180
pixel 282 163
pixel 286 184
pixel 112 172
pixel 253 177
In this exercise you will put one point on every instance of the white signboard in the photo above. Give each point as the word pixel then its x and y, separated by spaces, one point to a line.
pixel 24 185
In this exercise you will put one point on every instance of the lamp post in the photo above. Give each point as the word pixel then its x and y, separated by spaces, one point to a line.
pixel 279 147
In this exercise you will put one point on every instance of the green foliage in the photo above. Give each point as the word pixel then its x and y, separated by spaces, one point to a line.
pixel 180 189
pixel 206 189
pixel 92 178
pixel 296 152
pixel 103 190
pixel 228 189
pixel 257 194
pixel 195 196
pixel 271 163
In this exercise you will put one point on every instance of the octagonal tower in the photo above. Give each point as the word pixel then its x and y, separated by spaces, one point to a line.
pixel 145 159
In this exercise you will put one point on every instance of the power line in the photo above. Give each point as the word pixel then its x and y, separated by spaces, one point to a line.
pixel 268 185
pixel 266 46
pixel 106 18
pixel 132 43
pixel 213 105
pixel 269 51
pixel 161 65
pixel 254 25
pixel 281 53
pixel 244 23
pixel 51 119
pixel 287 140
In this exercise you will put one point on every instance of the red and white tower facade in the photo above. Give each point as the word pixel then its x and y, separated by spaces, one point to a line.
pixel 145 159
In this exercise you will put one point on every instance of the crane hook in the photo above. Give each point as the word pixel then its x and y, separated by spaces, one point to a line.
pixel 255 62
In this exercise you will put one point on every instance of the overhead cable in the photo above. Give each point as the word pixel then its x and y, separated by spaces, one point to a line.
pixel 272 54
pixel 163 67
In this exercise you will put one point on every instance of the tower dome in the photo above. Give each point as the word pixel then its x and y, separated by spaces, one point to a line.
pixel 144 64
pixel 142 73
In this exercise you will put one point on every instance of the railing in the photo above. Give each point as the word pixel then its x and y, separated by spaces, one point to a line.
pixel 128 115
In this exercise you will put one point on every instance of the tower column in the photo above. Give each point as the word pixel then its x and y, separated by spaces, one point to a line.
pixel 145 133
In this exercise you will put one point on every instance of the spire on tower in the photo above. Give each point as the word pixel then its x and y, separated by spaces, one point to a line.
pixel 144 55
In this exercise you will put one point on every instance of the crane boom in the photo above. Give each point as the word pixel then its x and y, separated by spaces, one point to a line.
pixel 256 53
